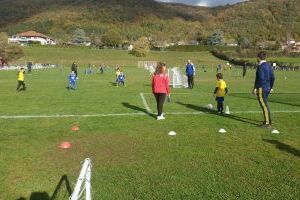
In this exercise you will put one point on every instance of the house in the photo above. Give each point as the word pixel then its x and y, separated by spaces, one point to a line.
pixel 31 37
pixel 291 46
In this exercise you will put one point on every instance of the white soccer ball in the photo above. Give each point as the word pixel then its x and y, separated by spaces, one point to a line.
pixel 210 106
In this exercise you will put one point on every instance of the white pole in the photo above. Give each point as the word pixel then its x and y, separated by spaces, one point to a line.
pixel 80 179
pixel 88 183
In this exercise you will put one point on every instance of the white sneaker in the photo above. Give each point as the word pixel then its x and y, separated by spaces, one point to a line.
pixel 160 117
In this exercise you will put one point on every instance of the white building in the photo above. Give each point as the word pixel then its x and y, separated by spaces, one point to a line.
pixel 31 36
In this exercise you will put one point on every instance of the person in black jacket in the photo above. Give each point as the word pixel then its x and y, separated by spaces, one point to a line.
pixel 263 86
pixel 74 68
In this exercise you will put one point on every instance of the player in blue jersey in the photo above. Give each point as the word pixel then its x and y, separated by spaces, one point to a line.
pixel 263 86
pixel 121 79
pixel 72 81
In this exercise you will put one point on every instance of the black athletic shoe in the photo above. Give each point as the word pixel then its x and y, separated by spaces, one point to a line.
pixel 265 125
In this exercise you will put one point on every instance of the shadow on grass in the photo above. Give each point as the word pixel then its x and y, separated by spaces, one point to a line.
pixel 59 190
pixel 284 147
pixel 113 83
pixel 136 108
pixel 214 112
pixel 248 96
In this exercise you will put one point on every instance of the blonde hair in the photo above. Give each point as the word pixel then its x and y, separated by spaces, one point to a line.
pixel 160 68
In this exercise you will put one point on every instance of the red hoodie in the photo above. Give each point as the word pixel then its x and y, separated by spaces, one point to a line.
pixel 160 84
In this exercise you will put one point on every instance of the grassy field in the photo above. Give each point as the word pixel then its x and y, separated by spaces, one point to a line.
pixel 84 56
pixel 133 156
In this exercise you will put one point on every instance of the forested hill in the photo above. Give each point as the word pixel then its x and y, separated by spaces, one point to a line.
pixel 131 19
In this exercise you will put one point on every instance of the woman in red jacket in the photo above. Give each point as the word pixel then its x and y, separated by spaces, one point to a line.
pixel 160 88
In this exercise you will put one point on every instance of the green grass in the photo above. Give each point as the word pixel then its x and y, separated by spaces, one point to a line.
pixel 84 56
pixel 133 157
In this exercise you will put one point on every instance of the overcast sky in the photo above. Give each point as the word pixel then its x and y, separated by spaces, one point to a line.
pixel 204 2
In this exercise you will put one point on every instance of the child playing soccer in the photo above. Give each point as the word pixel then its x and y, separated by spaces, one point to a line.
pixel 118 72
pixel 72 81
pixel 121 79
pixel 220 92
pixel 20 75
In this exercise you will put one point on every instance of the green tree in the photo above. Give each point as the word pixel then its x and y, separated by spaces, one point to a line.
pixel 141 47
pixel 79 36
pixel 244 42
pixel 112 38
pixel 216 38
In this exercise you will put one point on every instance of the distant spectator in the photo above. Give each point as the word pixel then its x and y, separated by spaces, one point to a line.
pixel 244 69
pixel 29 66
pixel 190 72
pixel 74 68
pixel 219 68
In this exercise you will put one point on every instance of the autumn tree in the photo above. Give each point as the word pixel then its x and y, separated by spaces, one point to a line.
pixel 141 47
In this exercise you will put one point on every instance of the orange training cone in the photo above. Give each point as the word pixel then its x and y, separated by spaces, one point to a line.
pixel 65 145
pixel 75 127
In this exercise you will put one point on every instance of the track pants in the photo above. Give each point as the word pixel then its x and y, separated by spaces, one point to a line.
pixel 160 99
pixel 191 81
pixel 21 83
pixel 263 101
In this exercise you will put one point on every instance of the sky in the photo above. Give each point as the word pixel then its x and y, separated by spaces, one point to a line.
pixel 206 3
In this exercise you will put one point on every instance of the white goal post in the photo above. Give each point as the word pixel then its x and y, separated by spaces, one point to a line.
pixel 84 178
pixel 177 79
pixel 146 64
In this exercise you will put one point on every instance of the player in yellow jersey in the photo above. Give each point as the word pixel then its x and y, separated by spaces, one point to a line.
pixel 220 92
pixel 20 75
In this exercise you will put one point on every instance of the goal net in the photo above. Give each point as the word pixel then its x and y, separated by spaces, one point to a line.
pixel 146 64
pixel 177 79
pixel 83 184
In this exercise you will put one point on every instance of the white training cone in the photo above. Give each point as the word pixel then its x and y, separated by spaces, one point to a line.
pixel 222 130
pixel 275 131
pixel 227 112
pixel 172 133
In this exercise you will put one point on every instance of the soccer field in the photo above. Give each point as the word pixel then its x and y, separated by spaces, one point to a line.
pixel 133 157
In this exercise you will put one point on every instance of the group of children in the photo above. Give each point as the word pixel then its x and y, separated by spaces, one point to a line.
pixel 120 76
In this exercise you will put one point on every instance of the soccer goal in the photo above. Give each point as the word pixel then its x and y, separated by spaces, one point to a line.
pixel 83 184
pixel 146 64
pixel 177 79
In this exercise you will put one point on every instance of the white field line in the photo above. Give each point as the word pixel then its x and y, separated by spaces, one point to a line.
pixel 129 114
pixel 69 116
pixel 145 103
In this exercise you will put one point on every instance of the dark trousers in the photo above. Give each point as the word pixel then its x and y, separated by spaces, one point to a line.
pixel 160 99
pixel 21 83
pixel 263 101
pixel 220 101
pixel 191 81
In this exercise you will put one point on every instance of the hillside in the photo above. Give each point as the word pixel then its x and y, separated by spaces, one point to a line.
pixel 255 20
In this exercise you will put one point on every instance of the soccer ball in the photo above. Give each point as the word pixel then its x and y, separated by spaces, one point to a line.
pixel 210 106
